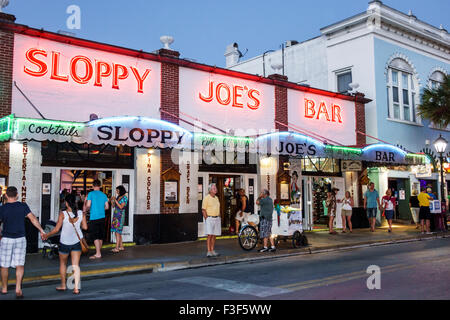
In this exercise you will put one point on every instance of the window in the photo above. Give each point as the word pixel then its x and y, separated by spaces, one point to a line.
pixel 70 154
pixel 343 81
pixel 401 91
pixel 436 80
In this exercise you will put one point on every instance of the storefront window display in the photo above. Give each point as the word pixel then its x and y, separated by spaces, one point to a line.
pixel 320 187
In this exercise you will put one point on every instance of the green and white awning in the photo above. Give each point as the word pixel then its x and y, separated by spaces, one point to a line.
pixel 154 133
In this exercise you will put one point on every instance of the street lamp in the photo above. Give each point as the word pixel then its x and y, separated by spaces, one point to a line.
pixel 440 145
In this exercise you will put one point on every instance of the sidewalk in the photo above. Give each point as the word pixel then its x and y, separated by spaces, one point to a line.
pixel 176 256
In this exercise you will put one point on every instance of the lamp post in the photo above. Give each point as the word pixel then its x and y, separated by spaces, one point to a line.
pixel 440 145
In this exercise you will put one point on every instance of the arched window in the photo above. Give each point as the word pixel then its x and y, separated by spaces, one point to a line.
pixel 401 91
pixel 436 79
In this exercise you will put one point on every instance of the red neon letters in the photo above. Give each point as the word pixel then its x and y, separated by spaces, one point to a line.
pixel 225 94
pixel 82 69
pixel 322 110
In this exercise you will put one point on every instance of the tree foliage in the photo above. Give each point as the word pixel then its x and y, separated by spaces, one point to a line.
pixel 435 104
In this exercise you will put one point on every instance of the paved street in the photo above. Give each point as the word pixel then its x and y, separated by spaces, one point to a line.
pixel 414 270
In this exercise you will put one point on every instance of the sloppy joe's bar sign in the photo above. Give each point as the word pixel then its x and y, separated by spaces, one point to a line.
pixel 49 72
pixel 131 131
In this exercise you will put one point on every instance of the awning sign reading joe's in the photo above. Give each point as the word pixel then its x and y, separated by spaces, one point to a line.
pixel 131 131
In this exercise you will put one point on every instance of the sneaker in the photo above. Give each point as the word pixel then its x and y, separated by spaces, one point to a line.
pixel 272 249
pixel 215 254
pixel 209 254
pixel 263 250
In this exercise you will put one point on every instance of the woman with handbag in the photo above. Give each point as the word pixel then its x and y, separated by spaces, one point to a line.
pixel 118 220
pixel 71 240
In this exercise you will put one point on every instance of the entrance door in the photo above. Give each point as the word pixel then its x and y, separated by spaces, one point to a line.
pixel 251 190
pixel 401 190
pixel 126 179
pixel 227 186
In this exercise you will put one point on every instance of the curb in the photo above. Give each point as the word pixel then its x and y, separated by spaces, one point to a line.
pixel 209 262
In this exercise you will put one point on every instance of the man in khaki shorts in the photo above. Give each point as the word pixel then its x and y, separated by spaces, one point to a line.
pixel 211 215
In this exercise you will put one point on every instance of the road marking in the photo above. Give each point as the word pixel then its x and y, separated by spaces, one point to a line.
pixel 95 294
pixel 235 286
pixel 351 276
pixel 118 296
pixel 335 277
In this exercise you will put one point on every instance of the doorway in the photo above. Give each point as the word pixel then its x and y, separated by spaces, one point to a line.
pixel 80 183
pixel 227 188
pixel 401 191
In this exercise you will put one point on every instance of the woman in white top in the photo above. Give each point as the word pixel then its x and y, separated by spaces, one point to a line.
pixel 346 211
pixel 69 220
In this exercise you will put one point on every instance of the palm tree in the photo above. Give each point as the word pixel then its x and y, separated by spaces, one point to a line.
pixel 436 104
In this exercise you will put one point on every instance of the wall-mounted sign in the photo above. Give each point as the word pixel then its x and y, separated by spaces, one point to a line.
pixel 68 82
pixel 24 172
pixel 422 171
pixel 171 191
pixel 238 96
pixel 227 102
pixel 149 179
pixel 171 187
pixel 46 188
pixel 81 69
pixel 331 117
pixel 349 165
pixel 322 111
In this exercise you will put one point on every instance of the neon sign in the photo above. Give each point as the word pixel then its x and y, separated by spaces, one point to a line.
pixel 321 111
pixel 95 70
pixel 237 95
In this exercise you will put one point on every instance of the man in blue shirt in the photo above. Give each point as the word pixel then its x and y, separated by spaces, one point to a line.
pixel 371 199
pixel 97 203
pixel 13 245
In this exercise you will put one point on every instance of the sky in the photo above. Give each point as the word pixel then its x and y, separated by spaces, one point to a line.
pixel 203 28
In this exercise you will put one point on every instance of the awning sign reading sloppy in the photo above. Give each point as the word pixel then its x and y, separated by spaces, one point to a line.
pixel 130 131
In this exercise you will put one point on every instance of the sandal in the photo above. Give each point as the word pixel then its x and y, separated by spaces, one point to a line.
pixel 115 250
pixel 75 291
pixel 61 289
pixel 121 249
pixel 94 257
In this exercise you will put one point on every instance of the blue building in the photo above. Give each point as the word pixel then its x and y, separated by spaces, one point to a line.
pixel 389 56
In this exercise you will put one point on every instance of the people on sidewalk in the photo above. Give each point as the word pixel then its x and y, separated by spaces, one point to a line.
pixel 243 210
pixel 371 203
pixel 424 212
pixel 265 225
pixel 97 203
pixel 211 215
pixel 346 212
pixel 13 246
pixel 331 206
pixel 70 220
pixel 388 205
pixel 118 220
pixel 415 208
